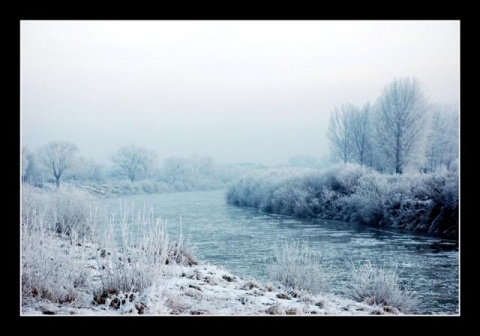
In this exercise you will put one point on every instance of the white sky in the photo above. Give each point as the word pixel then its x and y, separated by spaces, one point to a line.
pixel 240 91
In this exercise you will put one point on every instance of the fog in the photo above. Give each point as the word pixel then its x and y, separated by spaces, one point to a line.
pixel 239 91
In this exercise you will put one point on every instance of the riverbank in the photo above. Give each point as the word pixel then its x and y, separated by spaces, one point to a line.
pixel 201 289
pixel 226 237
pixel 412 202
pixel 76 263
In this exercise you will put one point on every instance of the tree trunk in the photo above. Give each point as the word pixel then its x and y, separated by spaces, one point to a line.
pixel 398 166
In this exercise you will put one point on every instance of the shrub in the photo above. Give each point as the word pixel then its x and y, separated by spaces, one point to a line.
pixel 379 286
pixel 420 202
pixel 295 266
pixel 343 179
pixel 367 204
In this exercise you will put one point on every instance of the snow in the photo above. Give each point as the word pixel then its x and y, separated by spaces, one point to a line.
pixel 202 289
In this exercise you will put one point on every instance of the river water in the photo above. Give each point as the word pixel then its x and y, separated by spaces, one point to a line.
pixel 240 239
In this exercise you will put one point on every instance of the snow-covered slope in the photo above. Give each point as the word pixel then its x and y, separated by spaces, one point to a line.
pixel 202 289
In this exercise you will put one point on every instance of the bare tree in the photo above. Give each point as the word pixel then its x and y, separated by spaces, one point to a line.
pixel 30 170
pixel 339 132
pixel 58 157
pixel 401 120
pixel 360 134
pixel 442 146
pixel 87 169
pixel 134 161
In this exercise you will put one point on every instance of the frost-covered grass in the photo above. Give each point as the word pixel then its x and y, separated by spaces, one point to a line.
pixel 133 263
pixel 134 267
pixel 206 289
pixel 197 289
pixel 376 285
pixel 48 270
pixel 66 211
pixel 57 225
pixel 139 258
pixel 420 202
pixel 53 224
pixel 295 266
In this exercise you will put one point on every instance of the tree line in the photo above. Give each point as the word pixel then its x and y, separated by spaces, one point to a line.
pixel 400 131
pixel 60 161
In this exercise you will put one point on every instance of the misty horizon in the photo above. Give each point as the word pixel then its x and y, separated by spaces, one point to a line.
pixel 238 91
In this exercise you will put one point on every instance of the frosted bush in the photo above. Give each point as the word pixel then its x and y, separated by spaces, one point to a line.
pixel 423 202
pixel 343 179
pixel 295 265
pixel 379 286
pixel 454 166
pixel 148 187
pixel 328 203
pixel 301 205
pixel 367 204
pixel 450 191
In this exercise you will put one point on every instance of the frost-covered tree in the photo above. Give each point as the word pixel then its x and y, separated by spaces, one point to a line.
pixel 442 145
pixel 360 134
pixel 339 132
pixel 24 163
pixel 58 157
pixel 201 172
pixel 400 122
pixel 87 170
pixel 195 172
pixel 178 169
pixel 134 161
pixel 30 170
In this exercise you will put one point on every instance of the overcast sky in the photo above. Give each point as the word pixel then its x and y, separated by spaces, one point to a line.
pixel 240 91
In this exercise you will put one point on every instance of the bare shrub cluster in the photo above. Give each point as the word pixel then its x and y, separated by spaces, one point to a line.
pixel 295 266
pixel 47 271
pixel 379 286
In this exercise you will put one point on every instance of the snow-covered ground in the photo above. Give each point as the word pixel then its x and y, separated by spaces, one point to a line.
pixel 202 289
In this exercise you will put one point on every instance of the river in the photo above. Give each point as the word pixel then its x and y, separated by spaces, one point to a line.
pixel 240 239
